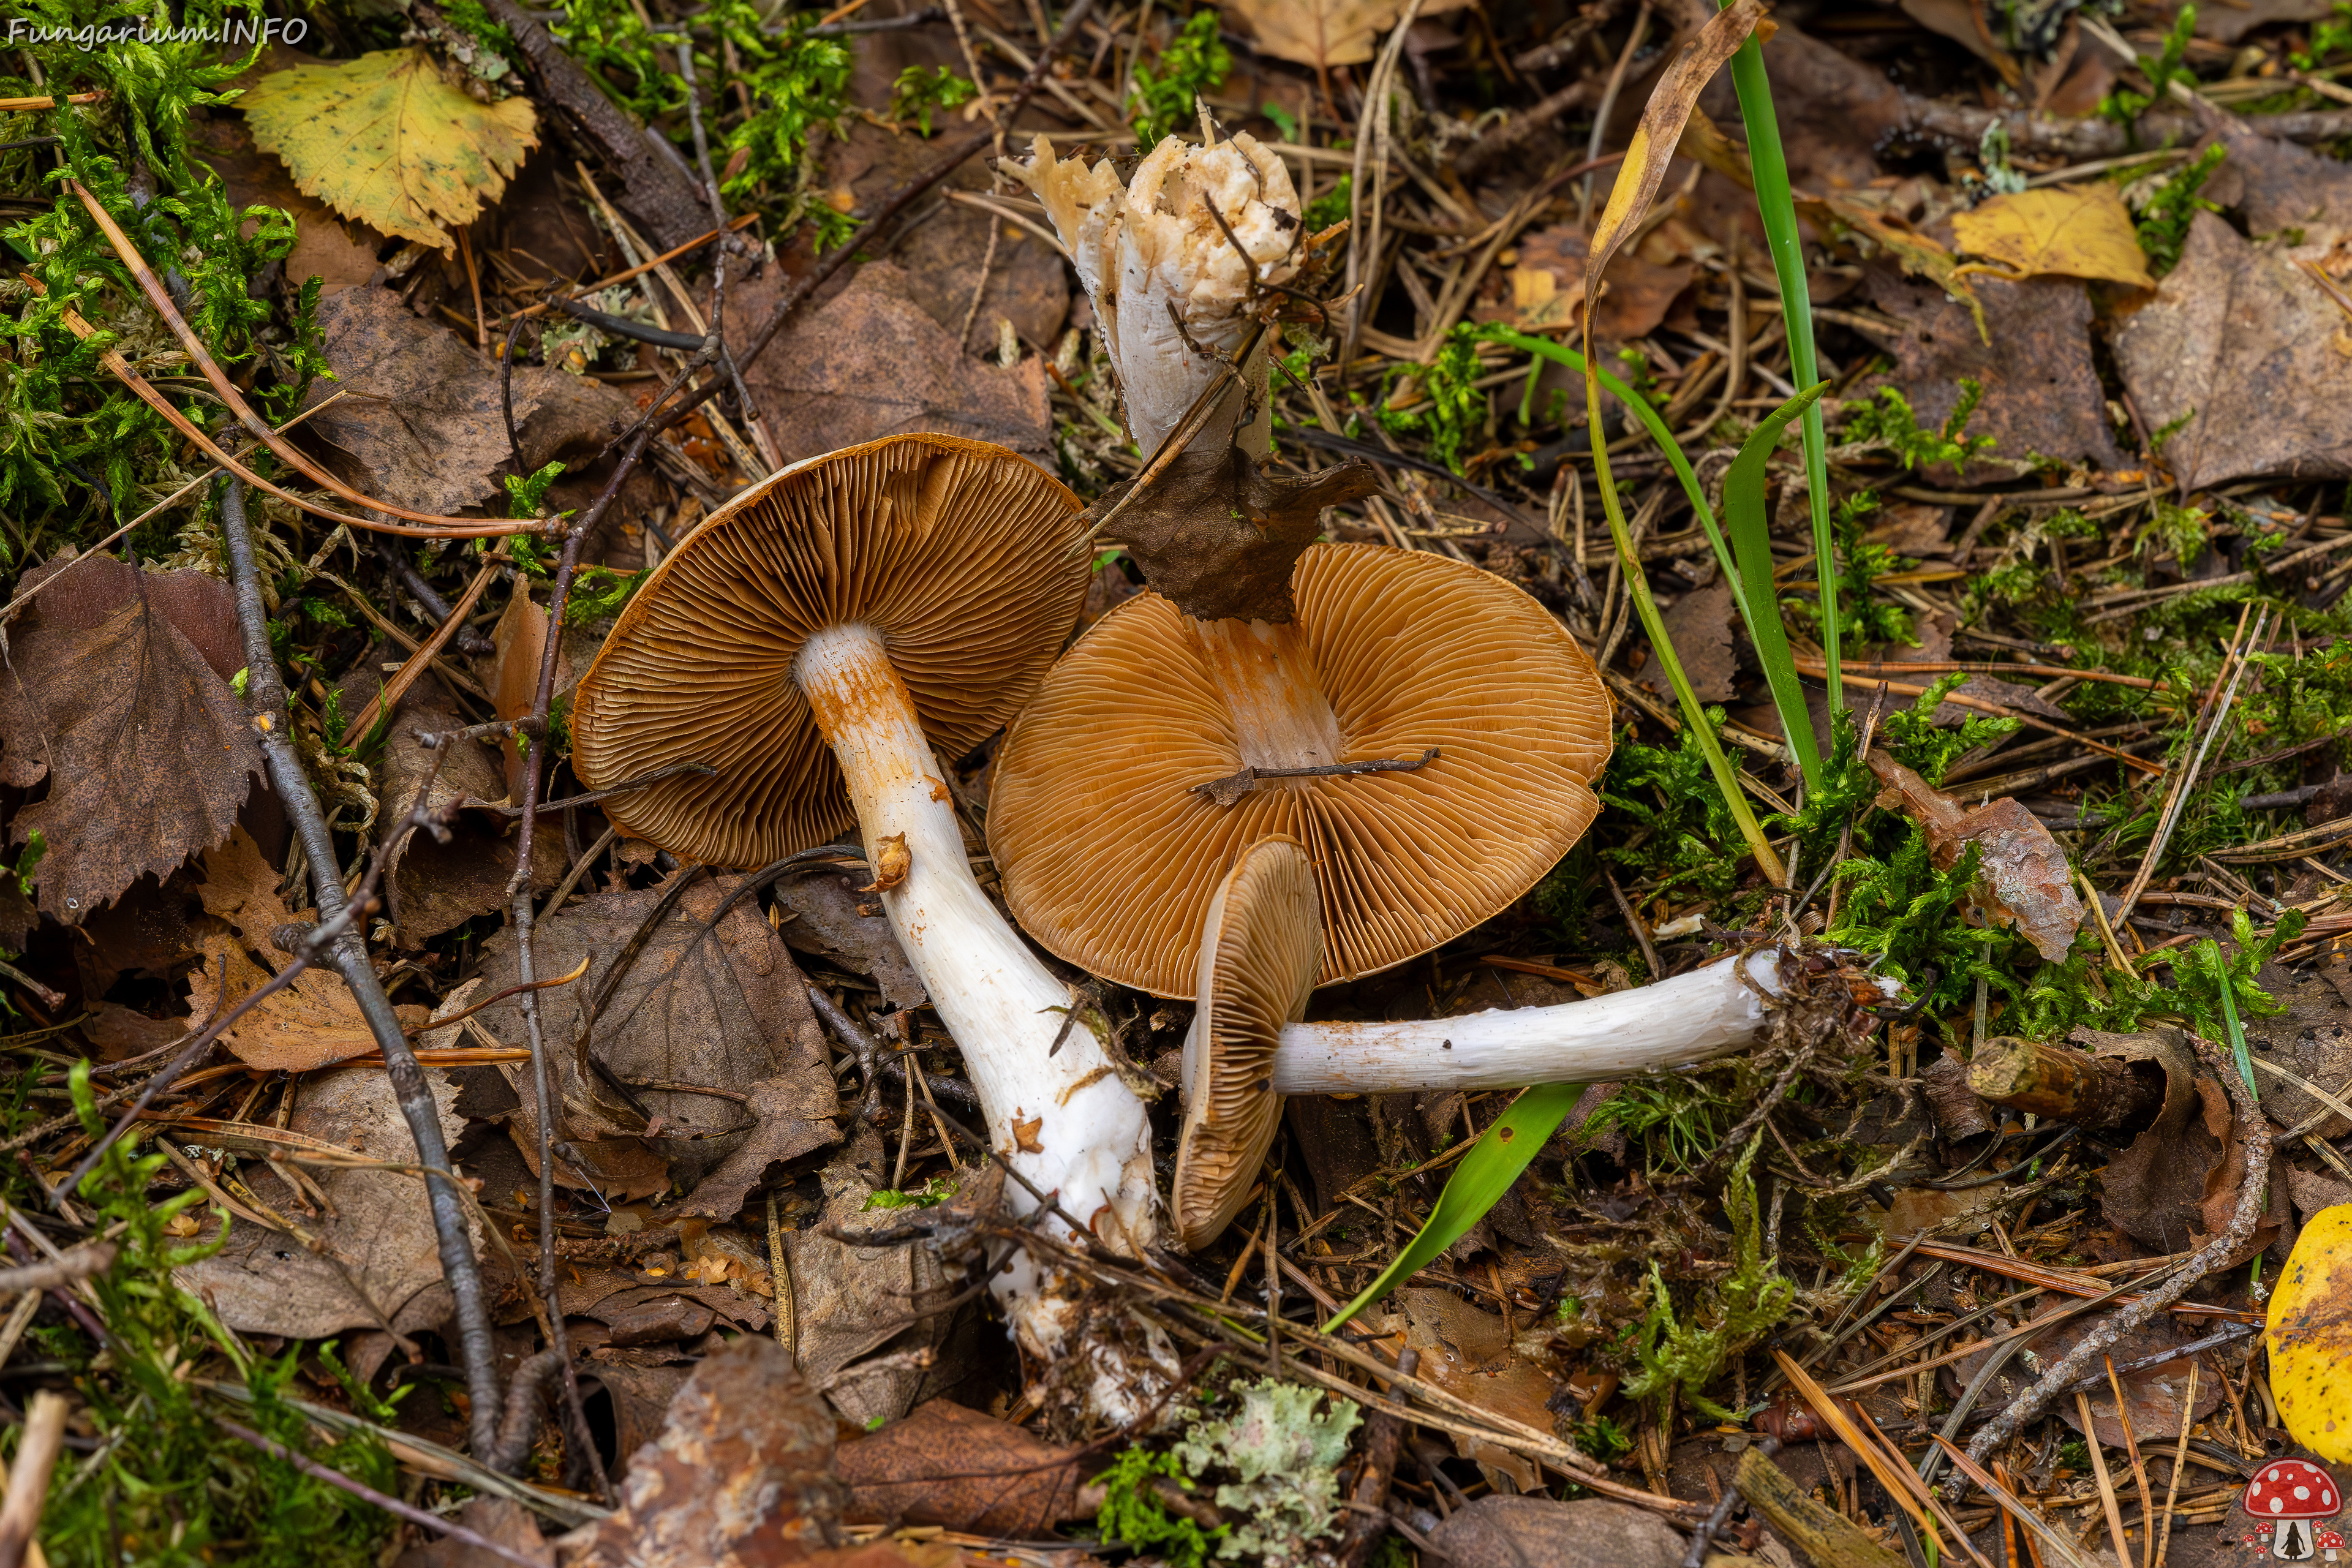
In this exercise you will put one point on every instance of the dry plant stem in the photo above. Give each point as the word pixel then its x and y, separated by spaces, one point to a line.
pixel 2179 1462
pixel 2109 1503
pixel 265 699
pixel 292 456
pixel 2075 1363
pixel 2178 797
pixel 1372 133
pixel 715 345
pixel 28 1477
pixel 520 896
pixel 2138 1464
pixel 392 1505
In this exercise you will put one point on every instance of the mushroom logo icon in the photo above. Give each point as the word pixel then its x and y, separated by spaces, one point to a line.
pixel 2291 1495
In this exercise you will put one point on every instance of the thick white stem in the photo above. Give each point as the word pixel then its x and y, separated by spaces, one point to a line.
pixel 1689 1019
pixel 1064 1117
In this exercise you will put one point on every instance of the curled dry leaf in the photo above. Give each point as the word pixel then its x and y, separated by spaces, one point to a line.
pixel 313 1020
pixel 383 139
pixel 1468 1353
pixel 950 1466
pixel 2075 231
pixel 1546 288
pixel 2309 1335
pixel 108 697
pixel 827 919
pixel 416 412
pixel 853 1302
pixel 2022 878
pixel 1219 537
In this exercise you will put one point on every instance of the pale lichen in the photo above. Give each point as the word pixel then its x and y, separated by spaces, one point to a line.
pixel 1286 1451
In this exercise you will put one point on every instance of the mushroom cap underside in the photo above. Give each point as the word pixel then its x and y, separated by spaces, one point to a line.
pixel 1108 858
pixel 957 552
pixel 1259 950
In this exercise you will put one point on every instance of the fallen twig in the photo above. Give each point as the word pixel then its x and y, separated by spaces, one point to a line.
pixel 28 1477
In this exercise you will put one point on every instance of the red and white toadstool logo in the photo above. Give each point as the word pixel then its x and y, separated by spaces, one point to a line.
pixel 2292 1495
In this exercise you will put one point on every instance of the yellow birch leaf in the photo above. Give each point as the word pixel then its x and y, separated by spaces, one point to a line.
pixel 385 140
pixel 2308 1333
pixel 2073 231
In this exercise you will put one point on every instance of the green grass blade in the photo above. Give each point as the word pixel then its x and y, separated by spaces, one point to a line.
pixel 1751 541
pixel 1776 206
pixel 1484 1175
pixel 1637 589
pixel 1544 348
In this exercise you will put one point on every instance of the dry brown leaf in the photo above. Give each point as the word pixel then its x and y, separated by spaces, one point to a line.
pixel 418 419
pixel 2073 231
pixel 377 1241
pixel 740 1475
pixel 1873 231
pixel 2042 394
pixel 828 921
pixel 2154 1395
pixel 1468 1353
pixel 145 750
pixel 948 1465
pixel 872 364
pixel 2230 326
pixel 1590 1532
pixel 341 254
pixel 1323 33
pixel 498 1518
pixel 854 1302
pixel 724 1009
pixel 2022 876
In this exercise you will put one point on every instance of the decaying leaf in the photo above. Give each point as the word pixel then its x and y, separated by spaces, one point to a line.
pixel 854 1302
pixel 740 1475
pixel 949 1464
pixel 374 1256
pixel 2022 876
pixel 2041 392
pixel 1219 536
pixel 2075 231
pixel 2309 1335
pixel 1590 1532
pixel 385 140
pixel 1323 33
pixel 2156 1395
pixel 416 411
pixel 2229 327
pixel 498 1518
pixel 828 920
pixel 722 1010
pixel 432 887
pixel 1468 1353
pixel 145 749
pixel 872 364
pixel 1874 233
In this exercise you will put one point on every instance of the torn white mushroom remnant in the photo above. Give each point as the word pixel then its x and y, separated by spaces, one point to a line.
pixel 1169 287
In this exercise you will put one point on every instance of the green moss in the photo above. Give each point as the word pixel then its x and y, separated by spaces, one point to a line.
pixel 1195 61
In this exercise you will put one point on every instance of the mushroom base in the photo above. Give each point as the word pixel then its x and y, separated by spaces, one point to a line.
pixel 1056 1108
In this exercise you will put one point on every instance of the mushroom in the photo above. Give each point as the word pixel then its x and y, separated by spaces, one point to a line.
pixel 822 633
pixel 2292 1492
pixel 1425 730
pixel 1248 1047
pixel 1259 946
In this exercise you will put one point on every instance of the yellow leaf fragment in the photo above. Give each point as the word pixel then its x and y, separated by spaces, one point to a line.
pixel 2072 231
pixel 383 139
pixel 2309 1336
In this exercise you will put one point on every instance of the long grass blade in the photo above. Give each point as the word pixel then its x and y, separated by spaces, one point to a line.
pixel 1775 204
pixel 1751 542
pixel 1484 1175
pixel 1559 354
